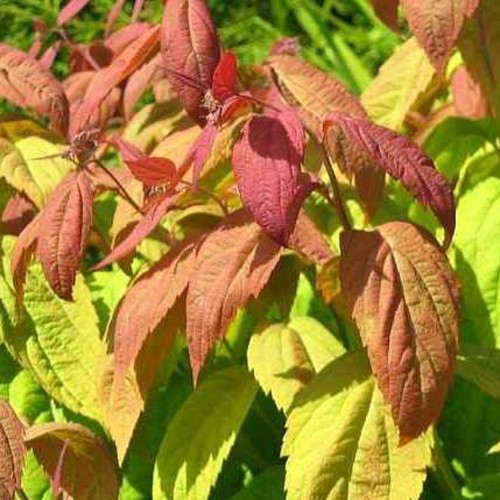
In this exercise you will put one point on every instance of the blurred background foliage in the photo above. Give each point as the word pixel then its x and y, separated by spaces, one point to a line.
pixel 342 37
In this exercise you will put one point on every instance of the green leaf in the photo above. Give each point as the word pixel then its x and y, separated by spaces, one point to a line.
pixel 35 482
pixel 266 486
pixel 28 398
pixel 23 148
pixel 284 358
pixel 403 78
pixel 8 370
pixel 201 435
pixel 342 443
pixel 59 343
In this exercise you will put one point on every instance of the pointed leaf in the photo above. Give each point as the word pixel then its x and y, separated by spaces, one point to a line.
pixel 200 436
pixel 200 151
pixel 437 24
pixel 70 10
pixel 12 451
pixel 404 161
pixel 190 50
pixel 66 221
pixel 404 300
pixel 233 264
pixel 225 77
pixel 88 470
pixel 143 229
pixel 314 92
pixel 284 358
pixel 398 85
pixel 121 68
pixel 387 10
pixel 341 442
pixel 25 83
pixel 148 302
pixel 267 165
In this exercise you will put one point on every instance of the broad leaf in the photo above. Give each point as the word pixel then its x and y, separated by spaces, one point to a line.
pixel 404 161
pixel 225 77
pixel 387 10
pixel 201 435
pixel 284 358
pixel 267 164
pixel 401 80
pixel 233 264
pixel 76 460
pixel 437 25
pixel 404 300
pixel 64 229
pixel 70 10
pixel 341 442
pixel 313 92
pixel 481 367
pixel 26 83
pixel 29 159
pixel 190 50
pixel 12 451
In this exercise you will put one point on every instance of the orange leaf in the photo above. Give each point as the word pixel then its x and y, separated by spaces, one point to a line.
pixel 404 300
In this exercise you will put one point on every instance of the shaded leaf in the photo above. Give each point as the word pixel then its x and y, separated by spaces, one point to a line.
pixel 437 25
pixel 268 485
pixel 404 300
pixel 87 469
pixel 284 358
pixel 401 80
pixel 233 264
pixel 66 221
pixel 267 165
pixel 200 436
pixel 70 10
pixel 26 83
pixel 190 50
pixel 387 10
pixel 341 442
pixel 315 93
pixel 404 161
pixel 17 214
pixel 468 99
pixel 12 451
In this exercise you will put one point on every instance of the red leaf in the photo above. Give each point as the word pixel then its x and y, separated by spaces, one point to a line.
pixel 138 5
pixel 149 170
pixel 267 165
pixel 308 240
pixel 404 299
pixel 66 221
pixel 468 99
pixel 233 264
pixel 436 25
pixel 25 82
pixel 289 45
pixel 70 10
pixel 225 77
pixel 87 470
pixel 138 83
pixel 23 250
pixel 17 214
pixel 114 14
pixel 147 303
pixel 12 451
pixel 122 67
pixel 404 161
pixel 190 50
pixel 118 41
pixel 145 227
pixel 200 151
pixel 387 10
pixel 49 56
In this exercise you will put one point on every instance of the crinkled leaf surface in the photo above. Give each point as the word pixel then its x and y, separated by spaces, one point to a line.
pixel 201 435
pixel 267 164
pixel 87 469
pixel 190 50
pixel 404 300
pixel 26 83
pixel 64 229
pixel 341 443
pixel 285 357
pixel 12 450
pixel 399 83
pixel 233 264
pixel 404 161
pixel 21 165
